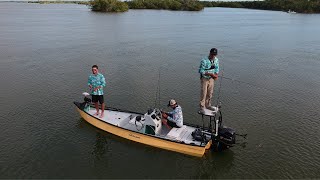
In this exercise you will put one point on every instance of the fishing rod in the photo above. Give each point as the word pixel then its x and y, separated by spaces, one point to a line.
pixel 220 85
pixel 244 136
pixel 157 96
pixel 249 84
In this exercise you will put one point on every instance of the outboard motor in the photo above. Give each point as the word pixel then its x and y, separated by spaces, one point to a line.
pixel 227 135
pixel 226 138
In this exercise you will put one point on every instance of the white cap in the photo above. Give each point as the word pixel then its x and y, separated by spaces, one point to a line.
pixel 172 102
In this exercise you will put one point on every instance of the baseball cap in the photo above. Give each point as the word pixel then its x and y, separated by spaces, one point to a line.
pixel 172 102
pixel 214 51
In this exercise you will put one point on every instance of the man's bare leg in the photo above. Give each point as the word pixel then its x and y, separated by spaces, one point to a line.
pixel 96 105
pixel 102 111
pixel 165 122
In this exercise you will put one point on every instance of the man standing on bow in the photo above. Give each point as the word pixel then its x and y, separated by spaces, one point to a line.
pixel 209 69
pixel 96 82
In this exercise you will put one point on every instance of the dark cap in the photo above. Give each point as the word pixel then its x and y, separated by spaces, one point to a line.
pixel 214 51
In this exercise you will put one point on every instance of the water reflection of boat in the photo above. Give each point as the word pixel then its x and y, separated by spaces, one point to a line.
pixel 147 129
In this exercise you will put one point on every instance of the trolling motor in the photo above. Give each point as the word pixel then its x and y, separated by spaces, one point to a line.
pixel 85 105
pixel 222 137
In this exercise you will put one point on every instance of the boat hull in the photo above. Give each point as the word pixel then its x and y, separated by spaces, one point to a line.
pixel 158 142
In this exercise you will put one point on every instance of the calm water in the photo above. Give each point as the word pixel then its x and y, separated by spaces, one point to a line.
pixel 270 61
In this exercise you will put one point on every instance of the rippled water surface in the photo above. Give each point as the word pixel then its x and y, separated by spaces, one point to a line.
pixel 270 90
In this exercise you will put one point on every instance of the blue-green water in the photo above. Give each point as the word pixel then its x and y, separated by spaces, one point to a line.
pixel 270 61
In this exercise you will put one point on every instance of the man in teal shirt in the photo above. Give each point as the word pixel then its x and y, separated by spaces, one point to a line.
pixel 96 82
pixel 209 70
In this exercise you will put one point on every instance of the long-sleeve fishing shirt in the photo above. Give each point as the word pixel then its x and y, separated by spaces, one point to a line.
pixel 206 64
pixel 176 116
pixel 96 81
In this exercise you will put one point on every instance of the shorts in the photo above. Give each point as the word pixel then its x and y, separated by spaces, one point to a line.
pixel 96 98
pixel 172 124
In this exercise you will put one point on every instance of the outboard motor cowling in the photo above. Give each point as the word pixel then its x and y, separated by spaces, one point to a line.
pixel 227 136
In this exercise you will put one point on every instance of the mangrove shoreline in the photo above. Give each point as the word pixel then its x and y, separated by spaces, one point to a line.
pixel 299 6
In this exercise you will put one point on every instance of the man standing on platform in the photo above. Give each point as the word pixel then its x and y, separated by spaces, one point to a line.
pixel 96 82
pixel 209 70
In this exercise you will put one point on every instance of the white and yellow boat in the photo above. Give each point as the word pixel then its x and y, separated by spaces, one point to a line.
pixel 148 129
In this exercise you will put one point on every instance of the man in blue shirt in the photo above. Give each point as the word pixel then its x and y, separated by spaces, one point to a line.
pixel 209 70
pixel 96 82
pixel 173 118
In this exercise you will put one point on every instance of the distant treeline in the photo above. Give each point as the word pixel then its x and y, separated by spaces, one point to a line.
pixel 176 5
pixel 300 6
pixel 108 6
pixel 119 6
pixel 60 2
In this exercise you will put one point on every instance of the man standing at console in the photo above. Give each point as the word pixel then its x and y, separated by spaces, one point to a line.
pixel 96 82
pixel 209 70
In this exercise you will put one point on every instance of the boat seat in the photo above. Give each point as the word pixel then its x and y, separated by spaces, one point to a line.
pixel 177 133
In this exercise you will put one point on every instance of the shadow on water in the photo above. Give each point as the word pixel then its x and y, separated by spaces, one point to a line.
pixel 101 146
